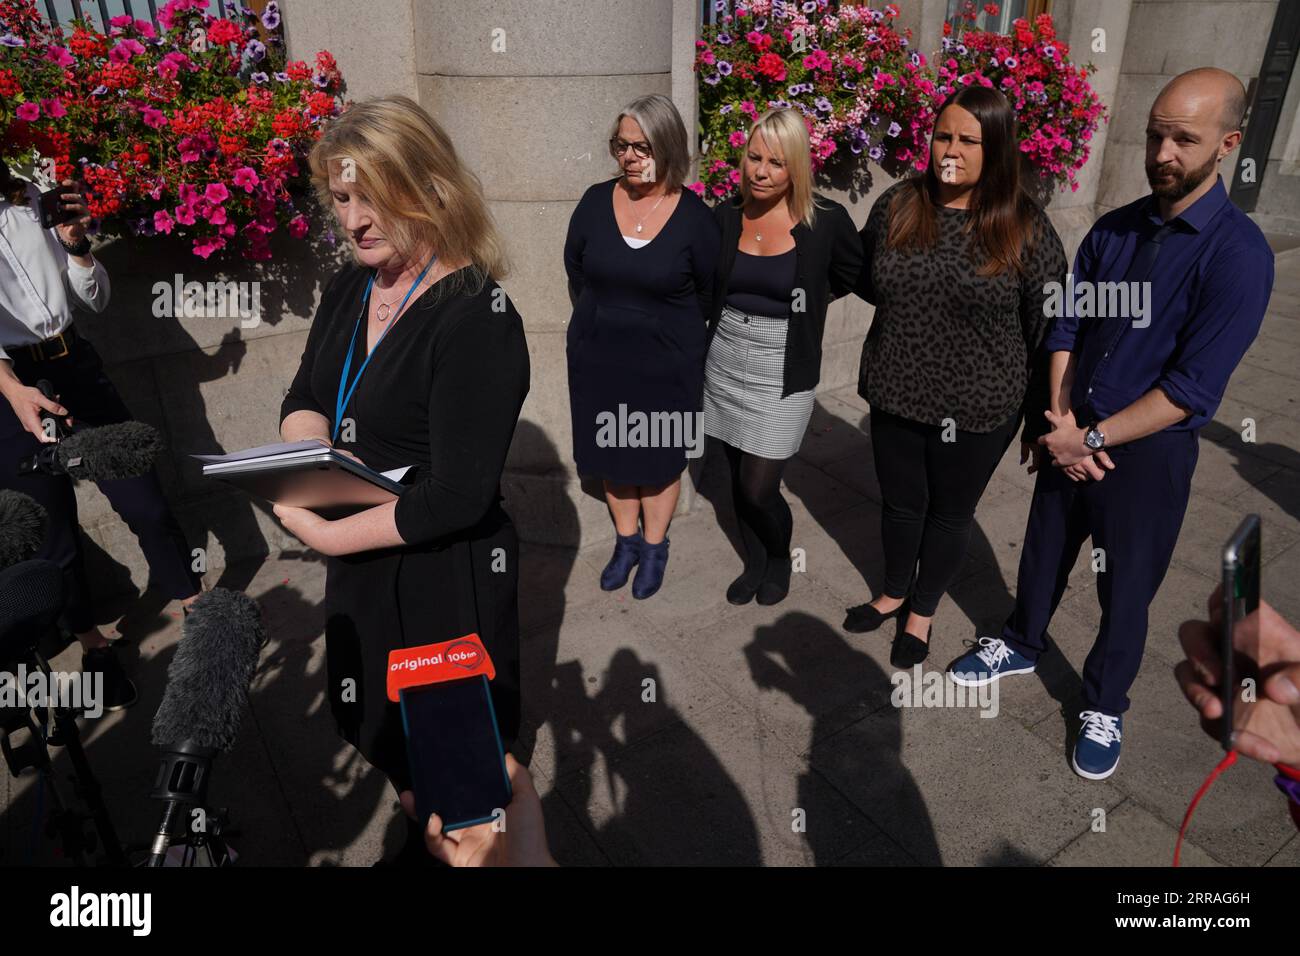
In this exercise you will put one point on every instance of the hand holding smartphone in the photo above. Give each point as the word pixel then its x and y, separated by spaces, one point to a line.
pixel 453 745
pixel 62 204
pixel 1243 663
pixel 1239 689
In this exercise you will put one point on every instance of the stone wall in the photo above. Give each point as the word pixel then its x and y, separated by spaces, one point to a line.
pixel 1165 38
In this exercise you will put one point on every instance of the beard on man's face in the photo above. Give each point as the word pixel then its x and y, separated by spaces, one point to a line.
pixel 1179 183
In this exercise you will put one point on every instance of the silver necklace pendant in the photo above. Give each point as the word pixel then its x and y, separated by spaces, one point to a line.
pixel 638 227
pixel 381 313
pixel 758 237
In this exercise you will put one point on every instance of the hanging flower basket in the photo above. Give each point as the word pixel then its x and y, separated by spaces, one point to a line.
pixel 198 131
pixel 1057 109
pixel 863 93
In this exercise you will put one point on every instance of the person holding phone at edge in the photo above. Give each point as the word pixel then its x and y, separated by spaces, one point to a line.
pixel 44 274
pixel 639 256
pixel 1271 733
pixel 956 261
pixel 415 357
pixel 1128 396
pixel 786 253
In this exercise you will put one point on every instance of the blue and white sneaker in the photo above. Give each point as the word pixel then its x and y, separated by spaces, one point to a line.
pixel 992 659
pixel 1096 752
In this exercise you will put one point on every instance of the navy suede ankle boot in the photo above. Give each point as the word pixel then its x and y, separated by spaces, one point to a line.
pixel 627 552
pixel 654 559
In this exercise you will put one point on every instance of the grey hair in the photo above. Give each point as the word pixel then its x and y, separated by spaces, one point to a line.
pixel 666 134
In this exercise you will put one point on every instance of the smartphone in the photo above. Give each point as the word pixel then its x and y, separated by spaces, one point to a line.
pixel 458 766
pixel 1240 598
pixel 53 211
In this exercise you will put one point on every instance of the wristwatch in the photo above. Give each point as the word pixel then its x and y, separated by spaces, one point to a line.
pixel 1094 439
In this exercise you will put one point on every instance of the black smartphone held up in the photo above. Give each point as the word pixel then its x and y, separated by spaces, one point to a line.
pixel 1240 686
pixel 454 747
pixel 53 211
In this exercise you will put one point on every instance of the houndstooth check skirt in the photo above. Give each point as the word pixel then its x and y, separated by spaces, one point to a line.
pixel 742 388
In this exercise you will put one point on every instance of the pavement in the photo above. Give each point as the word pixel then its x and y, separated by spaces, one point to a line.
pixel 683 730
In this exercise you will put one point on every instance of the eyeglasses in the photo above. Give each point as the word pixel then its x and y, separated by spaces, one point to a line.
pixel 618 148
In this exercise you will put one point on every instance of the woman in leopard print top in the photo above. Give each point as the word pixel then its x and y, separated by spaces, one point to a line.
pixel 955 261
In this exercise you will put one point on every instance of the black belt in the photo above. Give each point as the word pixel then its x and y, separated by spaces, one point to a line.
pixel 57 347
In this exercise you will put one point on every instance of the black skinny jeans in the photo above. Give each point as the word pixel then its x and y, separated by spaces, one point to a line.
pixel 930 489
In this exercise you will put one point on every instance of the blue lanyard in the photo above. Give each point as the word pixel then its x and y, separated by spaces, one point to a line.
pixel 341 398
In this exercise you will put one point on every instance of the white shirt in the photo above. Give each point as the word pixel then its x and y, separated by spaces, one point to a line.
pixel 38 279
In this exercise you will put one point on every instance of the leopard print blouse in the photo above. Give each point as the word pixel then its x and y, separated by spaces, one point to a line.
pixel 945 343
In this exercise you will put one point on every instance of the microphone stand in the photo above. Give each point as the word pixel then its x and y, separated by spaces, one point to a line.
pixel 182 784
pixel 34 753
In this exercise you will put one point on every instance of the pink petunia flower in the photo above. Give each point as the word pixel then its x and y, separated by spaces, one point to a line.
pixel 58 55
pixel 206 246
pixel 124 50
pixel 245 178
pixel 29 112
pixel 216 193
pixel 162 222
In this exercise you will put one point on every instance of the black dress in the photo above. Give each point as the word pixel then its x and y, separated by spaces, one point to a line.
pixel 442 393
pixel 638 334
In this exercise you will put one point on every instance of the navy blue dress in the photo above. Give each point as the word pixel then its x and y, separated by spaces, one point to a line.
pixel 638 336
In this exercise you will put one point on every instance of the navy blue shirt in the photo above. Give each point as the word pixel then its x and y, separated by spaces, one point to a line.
pixel 1209 289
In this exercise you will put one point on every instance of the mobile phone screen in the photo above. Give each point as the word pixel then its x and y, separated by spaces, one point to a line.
pixel 455 753
pixel 1241 556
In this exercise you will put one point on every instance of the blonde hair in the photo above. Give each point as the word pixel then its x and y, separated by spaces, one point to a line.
pixel 786 135
pixel 664 130
pixel 407 168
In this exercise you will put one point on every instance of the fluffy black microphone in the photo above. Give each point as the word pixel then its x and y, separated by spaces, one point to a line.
pixel 207 691
pixel 123 450
pixel 22 527
pixel 207 680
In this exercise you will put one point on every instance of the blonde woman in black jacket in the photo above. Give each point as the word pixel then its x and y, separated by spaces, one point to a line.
pixel 786 253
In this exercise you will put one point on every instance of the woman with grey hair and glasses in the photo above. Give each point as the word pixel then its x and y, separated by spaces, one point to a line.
pixel 640 255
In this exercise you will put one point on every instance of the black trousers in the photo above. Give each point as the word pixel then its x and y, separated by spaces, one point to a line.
pixel 90 398
pixel 930 489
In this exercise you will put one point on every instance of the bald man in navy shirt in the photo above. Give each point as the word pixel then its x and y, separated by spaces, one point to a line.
pixel 1129 393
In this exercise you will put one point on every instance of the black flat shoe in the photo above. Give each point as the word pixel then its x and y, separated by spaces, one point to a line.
pixel 865 618
pixel 776 582
pixel 908 650
pixel 743 589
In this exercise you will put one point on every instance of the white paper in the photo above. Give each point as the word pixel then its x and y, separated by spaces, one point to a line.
pixel 263 451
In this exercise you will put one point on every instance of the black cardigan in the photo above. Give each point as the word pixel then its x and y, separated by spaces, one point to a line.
pixel 828 258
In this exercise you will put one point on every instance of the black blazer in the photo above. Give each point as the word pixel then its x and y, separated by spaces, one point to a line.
pixel 828 258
